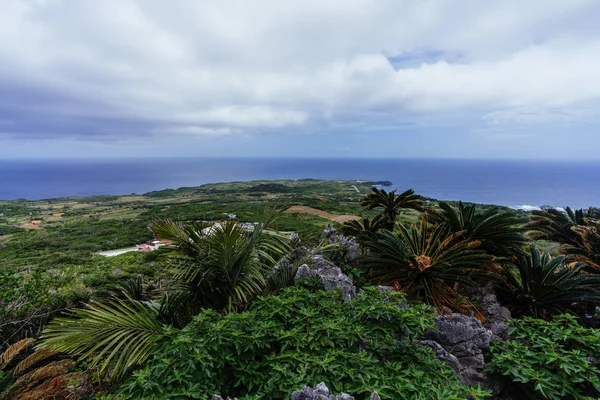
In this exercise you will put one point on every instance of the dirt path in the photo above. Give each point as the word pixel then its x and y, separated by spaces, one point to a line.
pixel 324 214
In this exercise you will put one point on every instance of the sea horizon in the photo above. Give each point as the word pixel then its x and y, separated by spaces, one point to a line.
pixel 514 183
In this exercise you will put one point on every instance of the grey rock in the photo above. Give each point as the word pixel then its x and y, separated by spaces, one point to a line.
pixel 322 388
pixel 330 275
pixel 350 244
pixel 384 289
pixel 321 392
pixel 495 314
pixel 444 355
pixel 464 341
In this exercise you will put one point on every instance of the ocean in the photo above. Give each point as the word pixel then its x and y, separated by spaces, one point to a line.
pixel 505 182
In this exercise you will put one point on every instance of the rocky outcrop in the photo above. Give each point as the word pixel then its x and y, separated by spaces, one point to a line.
pixel 461 341
pixel 321 392
pixel 349 244
pixel 331 277
pixel 495 314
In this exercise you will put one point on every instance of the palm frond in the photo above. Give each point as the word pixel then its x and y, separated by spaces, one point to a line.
pixel 499 232
pixel 556 226
pixel 119 334
pixel 541 285
pixel 589 250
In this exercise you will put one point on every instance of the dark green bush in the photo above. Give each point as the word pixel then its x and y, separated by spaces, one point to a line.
pixel 555 359
pixel 284 342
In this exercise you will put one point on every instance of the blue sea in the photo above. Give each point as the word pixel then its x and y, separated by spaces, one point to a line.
pixel 505 182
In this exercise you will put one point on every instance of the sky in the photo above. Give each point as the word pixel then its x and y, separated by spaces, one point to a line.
pixel 307 78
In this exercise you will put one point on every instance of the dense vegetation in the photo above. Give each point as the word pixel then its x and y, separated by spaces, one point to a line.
pixel 221 307
pixel 554 359
pixel 361 346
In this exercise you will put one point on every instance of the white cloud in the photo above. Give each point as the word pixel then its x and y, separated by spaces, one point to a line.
pixel 217 68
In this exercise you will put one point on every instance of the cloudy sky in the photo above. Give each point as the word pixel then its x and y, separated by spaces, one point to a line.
pixel 336 78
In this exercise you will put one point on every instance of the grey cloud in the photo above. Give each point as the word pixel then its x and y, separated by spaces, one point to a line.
pixel 117 68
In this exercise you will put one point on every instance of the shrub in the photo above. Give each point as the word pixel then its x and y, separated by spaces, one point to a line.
pixel 555 359
pixel 284 342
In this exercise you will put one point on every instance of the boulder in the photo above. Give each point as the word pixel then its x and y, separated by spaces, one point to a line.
pixel 330 275
pixel 461 341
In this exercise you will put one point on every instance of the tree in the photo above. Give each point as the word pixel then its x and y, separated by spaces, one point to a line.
pixel 391 204
pixel 539 286
pixel 499 232
pixel 426 263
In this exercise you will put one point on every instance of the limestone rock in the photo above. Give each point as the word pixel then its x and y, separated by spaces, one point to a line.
pixel 495 313
pixel 350 244
pixel 463 340
pixel 330 275
pixel 321 392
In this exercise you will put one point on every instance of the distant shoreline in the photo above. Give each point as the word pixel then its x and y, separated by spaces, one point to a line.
pixel 513 183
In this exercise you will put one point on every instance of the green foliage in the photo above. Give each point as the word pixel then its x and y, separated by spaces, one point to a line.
pixel 538 285
pixel 391 204
pixel 269 188
pixel 284 342
pixel 554 360
pixel 31 296
pixel 425 262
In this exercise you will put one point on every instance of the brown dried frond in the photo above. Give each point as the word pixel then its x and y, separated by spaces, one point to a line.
pixel 33 359
pixel 51 370
pixel 13 350
pixel 54 388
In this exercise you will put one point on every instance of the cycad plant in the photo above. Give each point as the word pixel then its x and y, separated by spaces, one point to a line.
pixel 556 226
pixel 360 228
pixel 426 262
pixel 391 204
pixel 589 250
pixel 223 265
pixel 499 232
pixel 539 285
